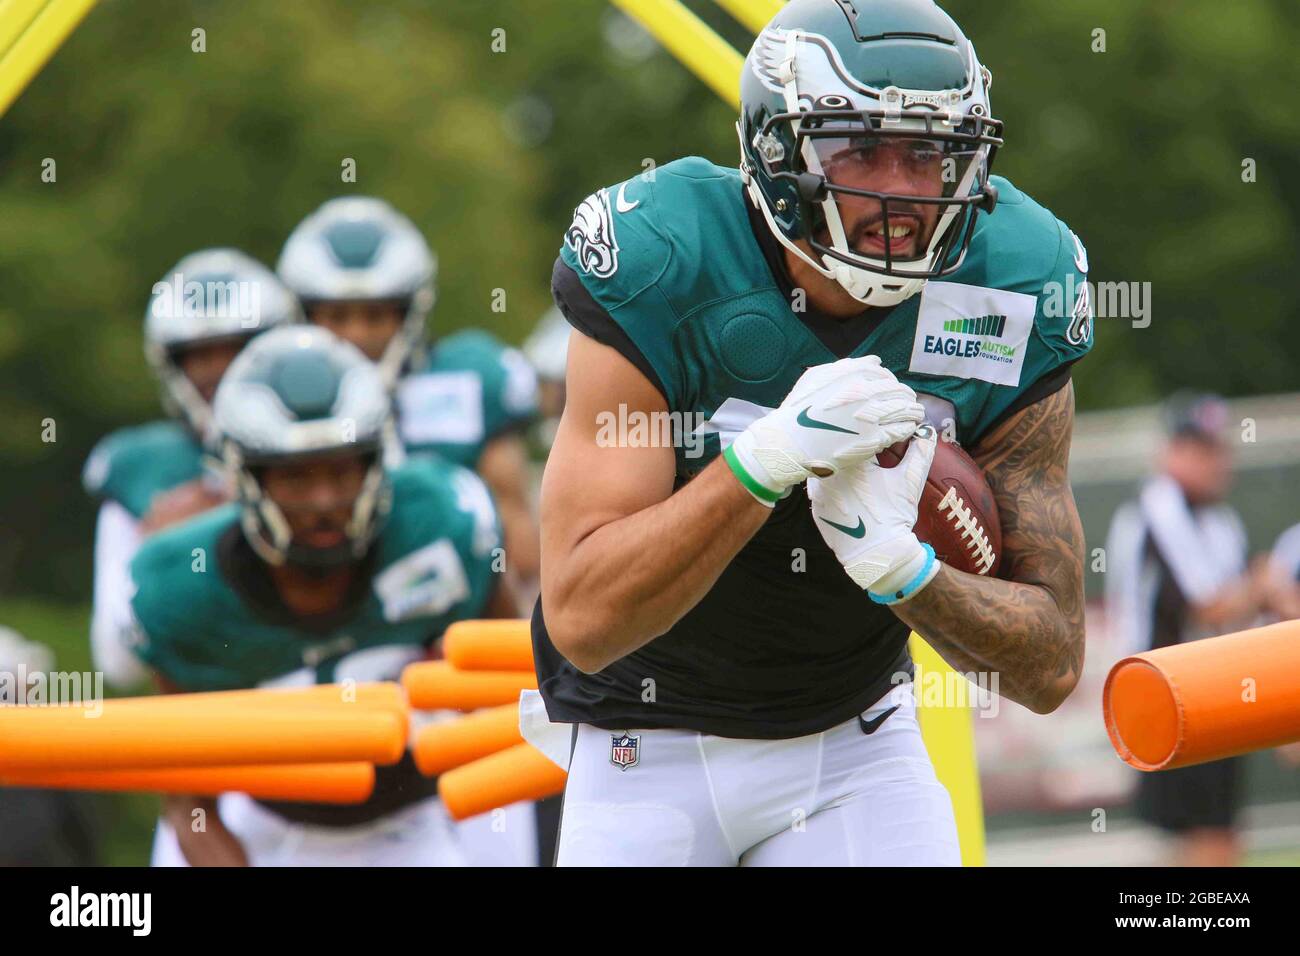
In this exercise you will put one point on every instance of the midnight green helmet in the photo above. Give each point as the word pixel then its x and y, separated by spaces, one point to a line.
pixel 866 131
pixel 299 393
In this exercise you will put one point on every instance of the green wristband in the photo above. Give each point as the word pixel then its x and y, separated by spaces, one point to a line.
pixel 764 494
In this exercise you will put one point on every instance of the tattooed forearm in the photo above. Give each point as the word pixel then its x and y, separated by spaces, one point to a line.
pixel 1028 628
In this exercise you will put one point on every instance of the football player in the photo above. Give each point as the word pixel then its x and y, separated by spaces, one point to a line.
pixel 723 648
pixel 199 316
pixel 547 350
pixel 364 271
pixel 328 567
pixel 1284 570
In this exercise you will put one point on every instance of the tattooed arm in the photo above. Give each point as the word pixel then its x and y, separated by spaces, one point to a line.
pixel 1028 629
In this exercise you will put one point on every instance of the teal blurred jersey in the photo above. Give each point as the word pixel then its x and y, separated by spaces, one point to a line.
pixel 133 465
pixel 468 390
pixel 208 617
pixel 679 273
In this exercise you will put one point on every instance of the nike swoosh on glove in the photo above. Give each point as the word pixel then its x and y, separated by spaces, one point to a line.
pixel 866 513
pixel 836 415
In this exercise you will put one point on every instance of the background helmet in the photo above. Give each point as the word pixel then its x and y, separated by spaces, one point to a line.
pixel 547 346
pixel 294 394
pixel 357 248
pixel 209 296
pixel 865 71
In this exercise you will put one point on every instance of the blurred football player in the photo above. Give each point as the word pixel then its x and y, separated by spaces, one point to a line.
pixel 364 271
pixel 547 350
pixel 329 567
pixel 721 629
pixel 1177 571
pixel 1284 566
pixel 207 307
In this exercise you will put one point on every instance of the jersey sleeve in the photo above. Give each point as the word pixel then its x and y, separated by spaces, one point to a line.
pixel 478 539
pixel 131 466
pixel 117 538
pixel 617 250
pixel 442 545
pixel 509 384
pixel 1063 323
pixel 168 607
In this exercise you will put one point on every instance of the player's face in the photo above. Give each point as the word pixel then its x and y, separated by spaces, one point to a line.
pixel 317 497
pixel 370 326
pixel 1202 467
pixel 204 365
pixel 904 167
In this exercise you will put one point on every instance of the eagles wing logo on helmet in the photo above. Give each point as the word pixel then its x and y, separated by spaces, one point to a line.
pixel 591 236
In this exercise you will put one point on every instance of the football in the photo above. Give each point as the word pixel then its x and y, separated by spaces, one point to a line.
pixel 957 515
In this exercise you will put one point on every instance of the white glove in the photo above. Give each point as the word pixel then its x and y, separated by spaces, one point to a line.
pixel 836 415
pixel 866 514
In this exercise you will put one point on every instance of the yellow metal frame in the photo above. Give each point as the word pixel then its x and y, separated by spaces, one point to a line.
pixel 948 730
pixel 30 32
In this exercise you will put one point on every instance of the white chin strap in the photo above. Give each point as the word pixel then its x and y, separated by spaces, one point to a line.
pixel 869 288
pixel 410 337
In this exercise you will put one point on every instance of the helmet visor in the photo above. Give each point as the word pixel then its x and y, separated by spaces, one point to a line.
pixel 892 193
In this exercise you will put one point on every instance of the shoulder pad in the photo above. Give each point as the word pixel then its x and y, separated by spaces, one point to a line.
pixel 509 382
pixel 624 237
pixel 434 498
pixel 1036 254
pixel 176 579
pixel 132 464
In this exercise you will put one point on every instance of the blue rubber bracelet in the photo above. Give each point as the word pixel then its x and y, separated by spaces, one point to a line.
pixel 912 586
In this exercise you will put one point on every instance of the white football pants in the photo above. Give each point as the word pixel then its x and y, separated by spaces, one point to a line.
pixel 838 798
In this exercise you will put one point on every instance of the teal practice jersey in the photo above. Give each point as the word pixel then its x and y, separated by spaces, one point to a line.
pixel 208 618
pixel 675 262
pixel 469 389
pixel 133 465
pixel 679 273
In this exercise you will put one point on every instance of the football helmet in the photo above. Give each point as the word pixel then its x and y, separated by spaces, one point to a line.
pixel 835 95
pixel 299 393
pixel 547 347
pixel 358 248
pixel 209 296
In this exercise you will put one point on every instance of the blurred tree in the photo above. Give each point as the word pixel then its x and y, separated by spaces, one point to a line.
pixel 488 139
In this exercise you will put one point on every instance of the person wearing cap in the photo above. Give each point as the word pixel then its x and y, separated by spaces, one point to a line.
pixel 1177 571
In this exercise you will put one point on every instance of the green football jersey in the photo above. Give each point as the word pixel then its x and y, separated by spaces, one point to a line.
pixel 680 274
pixel 725 346
pixel 208 618
pixel 470 389
pixel 133 465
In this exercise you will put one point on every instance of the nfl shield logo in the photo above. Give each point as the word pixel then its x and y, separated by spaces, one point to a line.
pixel 624 750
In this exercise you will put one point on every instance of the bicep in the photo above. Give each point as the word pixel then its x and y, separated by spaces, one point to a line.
pixel 593 474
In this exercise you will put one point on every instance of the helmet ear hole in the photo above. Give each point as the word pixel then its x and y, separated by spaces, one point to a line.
pixel 810 186
pixel 990 197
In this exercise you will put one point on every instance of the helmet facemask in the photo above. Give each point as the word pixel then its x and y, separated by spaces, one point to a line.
pixel 181 398
pixel 302 397
pixel 269 531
